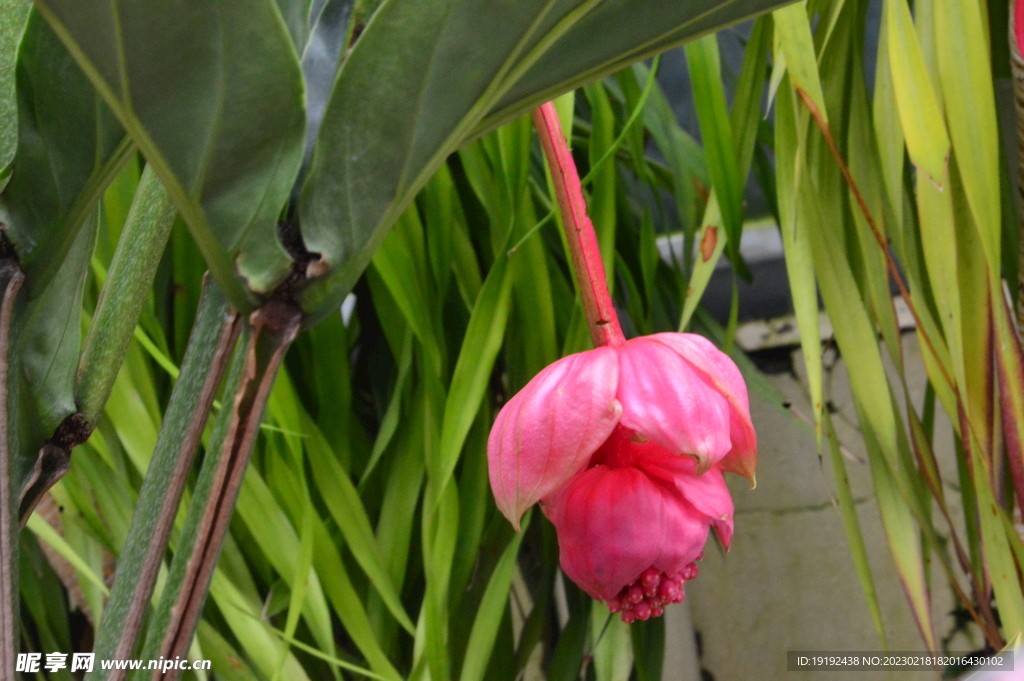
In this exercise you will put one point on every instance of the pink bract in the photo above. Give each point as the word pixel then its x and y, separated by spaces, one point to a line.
pixel 614 523
pixel 549 430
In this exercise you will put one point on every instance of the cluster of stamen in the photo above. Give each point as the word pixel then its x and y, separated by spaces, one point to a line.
pixel 648 595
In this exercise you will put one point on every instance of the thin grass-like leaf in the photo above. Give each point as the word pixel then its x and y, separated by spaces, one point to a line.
pixel 923 125
pixel 720 148
pixel 343 502
pixel 611 646
pixel 45 531
pixel 300 582
pixel 1010 367
pixel 793 37
pixel 744 119
pixel 488 614
pixel 969 104
pixel 799 262
pixel 897 488
pixel 262 645
pixel 854 535
pixel 998 556
pixel 469 379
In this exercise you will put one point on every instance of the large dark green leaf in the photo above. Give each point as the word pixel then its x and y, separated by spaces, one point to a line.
pixel 67 136
pixel 49 338
pixel 428 75
pixel 295 14
pixel 12 22
pixel 594 38
pixel 212 94
pixel 69 147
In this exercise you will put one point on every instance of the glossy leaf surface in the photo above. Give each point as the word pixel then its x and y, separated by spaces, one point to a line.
pixel 212 94
pixel 425 77
pixel 13 14
pixel 69 148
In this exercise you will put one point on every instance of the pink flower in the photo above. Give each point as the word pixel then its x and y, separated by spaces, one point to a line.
pixel 625 446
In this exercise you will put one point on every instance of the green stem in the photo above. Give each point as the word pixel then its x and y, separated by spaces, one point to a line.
pixel 270 331
pixel 210 346
pixel 9 488
pixel 579 230
pixel 128 284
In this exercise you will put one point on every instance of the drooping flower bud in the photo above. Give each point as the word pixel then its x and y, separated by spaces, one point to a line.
pixel 624 445
pixel 625 448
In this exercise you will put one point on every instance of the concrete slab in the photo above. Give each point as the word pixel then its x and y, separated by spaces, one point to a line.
pixel 789 582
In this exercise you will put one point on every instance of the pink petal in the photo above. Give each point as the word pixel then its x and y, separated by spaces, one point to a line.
pixel 614 523
pixel 548 431
pixel 707 493
pixel 718 370
pixel 665 399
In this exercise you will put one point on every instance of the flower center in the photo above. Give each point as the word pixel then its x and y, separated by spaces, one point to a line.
pixel 622 449
pixel 648 595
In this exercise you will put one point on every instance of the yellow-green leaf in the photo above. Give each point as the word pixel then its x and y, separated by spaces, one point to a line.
pixel 793 35
pixel 920 115
pixel 970 106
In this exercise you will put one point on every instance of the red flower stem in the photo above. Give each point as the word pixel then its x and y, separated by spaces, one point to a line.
pixel 579 230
